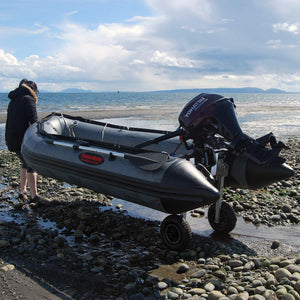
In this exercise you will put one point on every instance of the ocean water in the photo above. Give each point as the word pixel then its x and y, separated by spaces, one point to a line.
pixel 257 114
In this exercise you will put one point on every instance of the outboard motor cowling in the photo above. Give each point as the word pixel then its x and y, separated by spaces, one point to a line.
pixel 209 114
pixel 251 163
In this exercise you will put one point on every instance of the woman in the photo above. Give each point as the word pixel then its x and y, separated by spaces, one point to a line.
pixel 21 113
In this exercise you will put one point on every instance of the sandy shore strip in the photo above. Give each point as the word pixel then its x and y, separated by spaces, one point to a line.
pixel 101 114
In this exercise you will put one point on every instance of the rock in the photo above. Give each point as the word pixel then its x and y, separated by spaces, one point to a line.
pixel 288 296
pixel 78 233
pixel 281 292
pixel 259 290
pixel 256 283
pixel 234 263
pixel 199 211
pixel 7 267
pixel 209 287
pixel 177 290
pixel 4 244
pixel 286 262
pixel 276 218
pixel 295 294
pixel 197 291
pixel 257 297
pixel 270 295
pixel 183 268
pixel 162 285
pixel 275 244
pixel 286 208
pixel 138 296
pixel 293 268
pixel 262 262
pixel 242 296
pixel 282 273
pixel 297 286
pixel 172 295
pixel 214 295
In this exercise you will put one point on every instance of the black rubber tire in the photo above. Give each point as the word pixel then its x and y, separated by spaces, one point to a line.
pixel 176 232
pixel 227 220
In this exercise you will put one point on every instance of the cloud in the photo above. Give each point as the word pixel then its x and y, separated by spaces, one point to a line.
pixel 180 44
pixel 162 58
pixel 292 28
pixel 37 30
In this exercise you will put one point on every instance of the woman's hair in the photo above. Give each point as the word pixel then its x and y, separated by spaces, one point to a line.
pixel 29 83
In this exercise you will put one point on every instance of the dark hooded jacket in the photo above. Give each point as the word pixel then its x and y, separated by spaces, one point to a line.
pixel 21 113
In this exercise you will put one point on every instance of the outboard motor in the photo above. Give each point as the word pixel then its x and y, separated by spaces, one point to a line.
pixel 251 164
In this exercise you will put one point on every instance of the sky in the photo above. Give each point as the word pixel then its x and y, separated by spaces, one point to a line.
pixel 148 45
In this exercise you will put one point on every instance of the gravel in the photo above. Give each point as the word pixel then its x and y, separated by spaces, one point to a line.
pixel 74 245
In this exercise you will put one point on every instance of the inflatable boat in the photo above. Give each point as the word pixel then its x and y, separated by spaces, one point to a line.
pixel 170 171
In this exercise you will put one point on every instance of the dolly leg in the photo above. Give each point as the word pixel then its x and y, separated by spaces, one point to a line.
pixel 221 173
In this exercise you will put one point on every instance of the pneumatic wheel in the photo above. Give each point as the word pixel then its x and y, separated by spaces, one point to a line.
pixel 227 219
pixel 176 232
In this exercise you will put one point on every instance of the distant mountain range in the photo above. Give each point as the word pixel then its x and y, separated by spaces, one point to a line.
pixel 75 91
pixel 252 90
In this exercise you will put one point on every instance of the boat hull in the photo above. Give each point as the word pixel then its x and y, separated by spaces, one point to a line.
pixel 244 172
pixel 175 187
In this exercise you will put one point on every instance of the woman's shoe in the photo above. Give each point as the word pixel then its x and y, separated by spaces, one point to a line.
pixel 37 199
pixel 23 196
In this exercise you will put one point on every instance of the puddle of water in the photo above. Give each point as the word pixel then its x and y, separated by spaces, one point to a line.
pixel 287 234
pixel 7 215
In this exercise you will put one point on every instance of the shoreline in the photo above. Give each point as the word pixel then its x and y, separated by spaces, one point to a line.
pixel 101 113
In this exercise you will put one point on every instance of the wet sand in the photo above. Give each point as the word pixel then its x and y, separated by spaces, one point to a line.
pixel 241 110
pixel 101 114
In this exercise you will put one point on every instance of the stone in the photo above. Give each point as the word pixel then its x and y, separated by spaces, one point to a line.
pixel 270 295
pixel 78 233
pixel 295 294
pixel 172 295
pixel 242 296
pixel 162 285
pixel 234 263
pixel 275 244
pixel 7 267
pixel 286 262
pixel 199 274
pixel 288 296
pixel 281 292
pixel 293 268
pixel 257 297
pixel 297 286
pixel 177 290
pixel 232 290
pixel 286 208
pixel 282 273
pixel 183 268
pixel 261 262
pixel 197 291
pixel 214 295
pixel 256 283
pixel 259 290
pixel 4 244
pixel 138 296
pixel 209 287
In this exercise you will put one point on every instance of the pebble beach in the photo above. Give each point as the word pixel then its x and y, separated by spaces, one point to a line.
pixel 76 244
